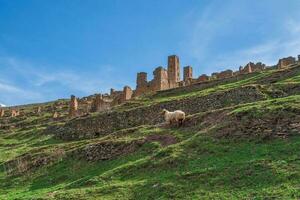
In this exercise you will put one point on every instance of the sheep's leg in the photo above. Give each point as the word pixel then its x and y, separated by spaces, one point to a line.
pixel 181 122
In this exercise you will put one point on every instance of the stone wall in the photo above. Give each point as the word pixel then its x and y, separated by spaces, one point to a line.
pixel 225 74
pixel 203 78
pixel 187 73
pixel 160 81
pixel 127 93
pixel 73 107
pixel 173 71
pixel 141 84
pixel 2 112
pixel 285 62
pixel 105 123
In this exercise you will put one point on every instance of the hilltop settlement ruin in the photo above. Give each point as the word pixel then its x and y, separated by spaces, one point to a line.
pixel 163 79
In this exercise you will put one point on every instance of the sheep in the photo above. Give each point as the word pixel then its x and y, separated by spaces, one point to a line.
pixel 177 116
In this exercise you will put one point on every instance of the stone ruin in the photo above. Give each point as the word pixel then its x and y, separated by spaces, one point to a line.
pixel 251 67
pixel 2 112
pixel 224 74
pixel 163 79
pixel 203 78
pixel 127 93
pixel 55 115
pixel 99 104
pixel 14 113
pixel 173 71
pixel 73 107
pixel 38 109
pixel 285 62
pixel 188 75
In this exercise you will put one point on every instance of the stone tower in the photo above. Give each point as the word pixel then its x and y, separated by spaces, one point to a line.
pixel 141 83
pixel 160 81
pixel 73 107
pixel 127 92
pixel 141 80
pixel 173 71
pixel 187 73
pixel 2 112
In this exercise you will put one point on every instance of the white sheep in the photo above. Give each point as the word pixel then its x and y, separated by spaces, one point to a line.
pixel 177 116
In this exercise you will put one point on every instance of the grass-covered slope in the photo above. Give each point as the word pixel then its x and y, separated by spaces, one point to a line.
pixel 243 151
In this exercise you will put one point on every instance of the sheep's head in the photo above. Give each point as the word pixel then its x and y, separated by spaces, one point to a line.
pixel 164 111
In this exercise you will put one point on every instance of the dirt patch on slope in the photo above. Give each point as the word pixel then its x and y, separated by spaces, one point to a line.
pixel 164 140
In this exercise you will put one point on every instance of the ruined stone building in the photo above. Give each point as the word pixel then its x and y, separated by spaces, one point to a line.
pixel 73 107
pixel 163 79
pixel 203 78
pixel 188 75
pixel 127 93
pixel 251 67
pixel 224 74
pixel 14 113
pixel 285 62
pixel 173 71
pixel 100 104
pixel 2 112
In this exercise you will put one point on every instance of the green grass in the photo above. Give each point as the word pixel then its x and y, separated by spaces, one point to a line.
pixel 199 166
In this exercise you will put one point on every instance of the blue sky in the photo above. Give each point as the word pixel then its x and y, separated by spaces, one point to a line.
pixel 51 49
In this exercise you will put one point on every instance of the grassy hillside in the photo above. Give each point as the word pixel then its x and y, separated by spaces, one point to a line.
pixel 243 151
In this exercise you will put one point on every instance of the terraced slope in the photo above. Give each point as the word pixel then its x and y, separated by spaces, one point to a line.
pixel 241 141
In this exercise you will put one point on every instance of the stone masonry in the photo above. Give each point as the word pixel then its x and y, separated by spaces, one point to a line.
pixel 187 75
pixel 203 78
pixel 97 103
pixel 141 83
pixel 106 123
pixel 73 106
pixel 173 71
pixel 225 74
pixel 160 81
pixel 166 79
pixel 127 93
pixel 2 112
pixel 285 62
pixel 15 113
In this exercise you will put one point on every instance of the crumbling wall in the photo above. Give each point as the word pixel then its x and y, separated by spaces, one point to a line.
pixel 160 80
pixel 285 62
pixel 105 123
pixel 203 78
pixel 73 106
pixel 173 71
pixel 127 93
pixel 141 84
pixel 225 74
